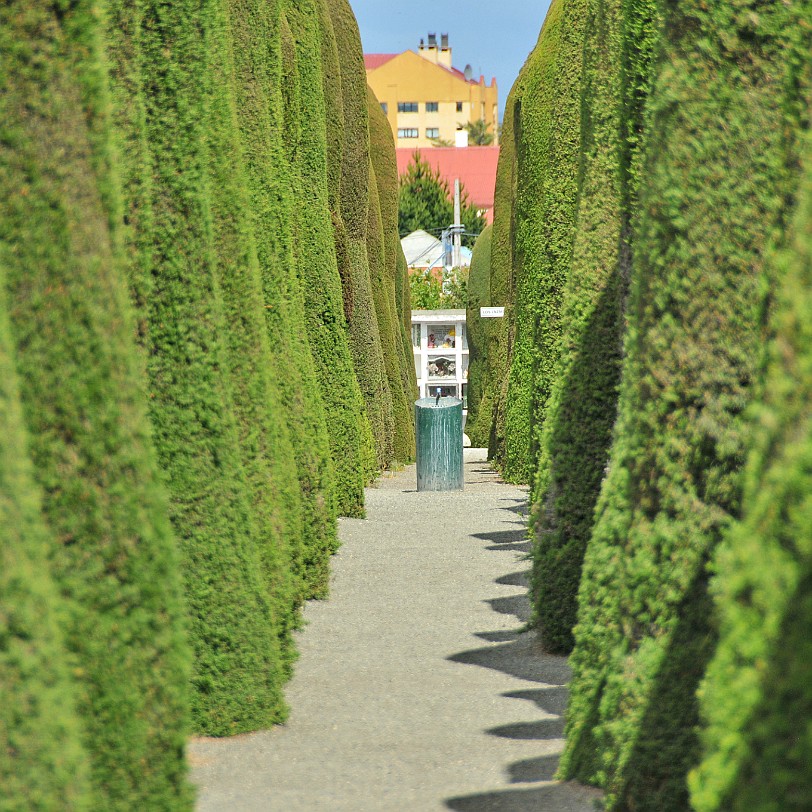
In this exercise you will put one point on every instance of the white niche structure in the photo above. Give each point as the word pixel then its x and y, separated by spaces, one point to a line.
pixel 440 348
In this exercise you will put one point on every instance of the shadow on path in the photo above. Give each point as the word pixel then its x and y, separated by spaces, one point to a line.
pixel 518 654
pixel 553 797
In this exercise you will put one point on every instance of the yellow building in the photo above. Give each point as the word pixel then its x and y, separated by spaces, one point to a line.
pixel 427 99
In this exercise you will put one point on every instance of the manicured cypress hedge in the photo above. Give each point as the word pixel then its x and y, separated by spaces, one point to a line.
pixel 480 407
pixel 502 284
pixel 43 764
pixel 241 647
pixel 720 177
pixel 548 139
pixel 577 431
pixel 351 233
pixel 256 35
pixel 316 262
pixel 383 267
pixel 375 259
pixel 757 694
pixel 112 554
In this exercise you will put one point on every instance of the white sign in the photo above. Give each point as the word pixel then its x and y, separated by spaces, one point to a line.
pixel 491 312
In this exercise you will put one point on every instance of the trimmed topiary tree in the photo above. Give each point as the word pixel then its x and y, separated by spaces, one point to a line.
pixel 757 695
pixel 112 554
pixel 351 232
pixel 577 431
pixel 261 61
pixel 242 646
pixel 480 407
pixel 43 764
pixel 383 267
pixel 548 139
pixel 502 287
pixel 316 261
pixel 720 178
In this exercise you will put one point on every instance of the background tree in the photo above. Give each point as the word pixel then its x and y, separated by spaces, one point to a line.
pixel 478 133
pixel 426 202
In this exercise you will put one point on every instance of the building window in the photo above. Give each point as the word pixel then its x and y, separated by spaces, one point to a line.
pixel 408 132
pixel 432 107
pixel 385 108
pixel 459 107
pixel 432 132
pixel 407 107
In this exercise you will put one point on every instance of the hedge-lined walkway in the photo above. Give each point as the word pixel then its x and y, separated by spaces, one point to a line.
pixel 414 689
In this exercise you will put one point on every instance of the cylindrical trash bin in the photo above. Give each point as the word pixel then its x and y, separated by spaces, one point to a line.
pixel 438 431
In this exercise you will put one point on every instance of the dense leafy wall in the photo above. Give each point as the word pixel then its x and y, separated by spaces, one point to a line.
pixel 757 695
pixel 383 267
pixel 718 187
pixel 238 665
pixel 548 140
pixel 480 406
pixel 351 231
pixel 502 285
pixel 112 553
pixel 256 32
pixel 43 764
pixel 316 257
pixel 577 430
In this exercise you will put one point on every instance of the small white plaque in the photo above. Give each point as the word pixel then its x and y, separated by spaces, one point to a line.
pixel 491 312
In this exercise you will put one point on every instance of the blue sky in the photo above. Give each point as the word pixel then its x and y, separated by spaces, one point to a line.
pixel 494 37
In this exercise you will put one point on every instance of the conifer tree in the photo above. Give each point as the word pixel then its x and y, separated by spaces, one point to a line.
pixel 317 264
pixel 351 224
pixel 43 763
pixel 176 239
pixel 757 694
pixel 383 268
pixel 719 182
pixel 82 392
pixel 548 136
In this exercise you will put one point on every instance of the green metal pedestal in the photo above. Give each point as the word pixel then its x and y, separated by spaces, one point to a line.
pixel 438 431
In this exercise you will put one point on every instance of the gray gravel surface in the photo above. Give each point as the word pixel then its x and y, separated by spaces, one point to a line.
pixel 415 688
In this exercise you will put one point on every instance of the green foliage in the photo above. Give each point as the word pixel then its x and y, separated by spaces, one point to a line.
pixel 433 289
pixel 262 51
pixel 546 197
pixel 720 178
pixel 502 283
pixel 351 225
pixel 383 242
pixel 236 637
pixel 426 201
pixel 478 294
pixel 316 260
pixel 479 133
pixel 576 434
pixel 757 695
pixel 112 554
pixel 43 764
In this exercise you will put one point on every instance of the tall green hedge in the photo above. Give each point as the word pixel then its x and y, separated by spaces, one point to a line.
pixel 577 431
pixel 548 141
pixel 383 268
pixel 241 645
pixel 480 405
pixel 351 233
pixel 757 694
pixel 43 763
pixel 112 553
pixel 317 265
pixel 719 182
pixel 256 37
pixel 502 283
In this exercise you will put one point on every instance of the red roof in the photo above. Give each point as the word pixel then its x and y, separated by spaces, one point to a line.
pixel 474 166
pixel 372 61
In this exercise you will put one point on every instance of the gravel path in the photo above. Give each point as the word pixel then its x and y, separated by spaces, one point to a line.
pixel 415 689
